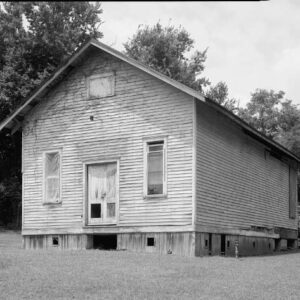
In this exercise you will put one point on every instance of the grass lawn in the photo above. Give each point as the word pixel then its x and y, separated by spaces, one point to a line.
pixel 95 274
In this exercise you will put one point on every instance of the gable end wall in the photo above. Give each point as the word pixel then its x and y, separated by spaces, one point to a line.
pixel 142 107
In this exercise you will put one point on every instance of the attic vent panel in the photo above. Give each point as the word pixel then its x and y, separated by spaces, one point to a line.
pixel 100 86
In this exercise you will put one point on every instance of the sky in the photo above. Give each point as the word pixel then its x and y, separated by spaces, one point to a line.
pixel 250 44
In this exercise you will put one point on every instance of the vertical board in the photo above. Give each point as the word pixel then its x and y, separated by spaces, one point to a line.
pixel 293 193
pixel 65 241
pixel 247 245
pixel 178 243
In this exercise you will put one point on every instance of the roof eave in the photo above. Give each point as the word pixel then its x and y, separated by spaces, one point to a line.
pixel 247 127
pixel 13 122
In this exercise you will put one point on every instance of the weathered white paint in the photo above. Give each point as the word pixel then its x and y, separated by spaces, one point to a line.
pixel 212 166
pixel 239 184
pixel 77 58
pixel 142 107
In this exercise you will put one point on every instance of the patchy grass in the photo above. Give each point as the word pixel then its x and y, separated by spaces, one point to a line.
pixel 95 274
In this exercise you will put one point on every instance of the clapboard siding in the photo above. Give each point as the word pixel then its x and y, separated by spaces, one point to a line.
pixel 239 184
pixel 142 107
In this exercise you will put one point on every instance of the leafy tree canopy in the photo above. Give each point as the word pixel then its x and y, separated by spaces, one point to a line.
pixel 270 113
pixel 35 37
pixel 166 50
pixel 219 94
pixel 291 139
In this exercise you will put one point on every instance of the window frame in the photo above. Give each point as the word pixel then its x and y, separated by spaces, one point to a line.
pixel 45 202
pixel 85 165
pixel 99 76
pixel 146 142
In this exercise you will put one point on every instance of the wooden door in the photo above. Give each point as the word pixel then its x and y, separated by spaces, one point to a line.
pixel 102 193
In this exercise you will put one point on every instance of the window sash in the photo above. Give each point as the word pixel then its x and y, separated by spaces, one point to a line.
pixel 52 188
pixel 155 183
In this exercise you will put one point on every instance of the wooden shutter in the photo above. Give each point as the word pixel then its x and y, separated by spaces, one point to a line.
pixel 293 193
pixel 101 85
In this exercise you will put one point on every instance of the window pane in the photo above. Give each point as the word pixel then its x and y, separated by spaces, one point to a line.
pixel 155 173
pixel 52 177
pixel 52 164
pixel 155 148
pixel 111 210
pixel 96 181
pixel 111 173
pixel 52 189
pixel 155 162
pixel 95 210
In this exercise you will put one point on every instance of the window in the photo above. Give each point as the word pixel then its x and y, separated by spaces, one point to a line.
pixel 155 177
pixel 100 86
pixel 52 177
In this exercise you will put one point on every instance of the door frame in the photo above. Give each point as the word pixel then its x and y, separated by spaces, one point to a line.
pixel 85 190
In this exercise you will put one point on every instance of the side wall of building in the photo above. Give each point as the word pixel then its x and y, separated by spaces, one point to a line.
pixel 240 185
pixel 142 107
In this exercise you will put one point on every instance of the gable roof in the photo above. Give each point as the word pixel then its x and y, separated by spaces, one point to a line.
pixel 14 121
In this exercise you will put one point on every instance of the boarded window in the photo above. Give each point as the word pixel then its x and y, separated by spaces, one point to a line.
pixel 52 177
pixel 293 193
pixel 101 86
pixel 155 168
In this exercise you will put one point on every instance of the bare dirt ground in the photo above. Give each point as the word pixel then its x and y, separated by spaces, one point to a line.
pixel 95 274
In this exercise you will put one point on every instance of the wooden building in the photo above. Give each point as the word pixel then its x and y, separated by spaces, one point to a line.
pixel 117 155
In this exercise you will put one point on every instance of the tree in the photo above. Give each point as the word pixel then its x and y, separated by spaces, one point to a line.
pixel 270 113
pixel 35 37
pixel 28 56
pixel 291 139
pixel 219 94
pixel 166 50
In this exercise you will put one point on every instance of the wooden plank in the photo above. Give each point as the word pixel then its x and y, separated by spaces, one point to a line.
pixel 104 229
pixel 166 243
